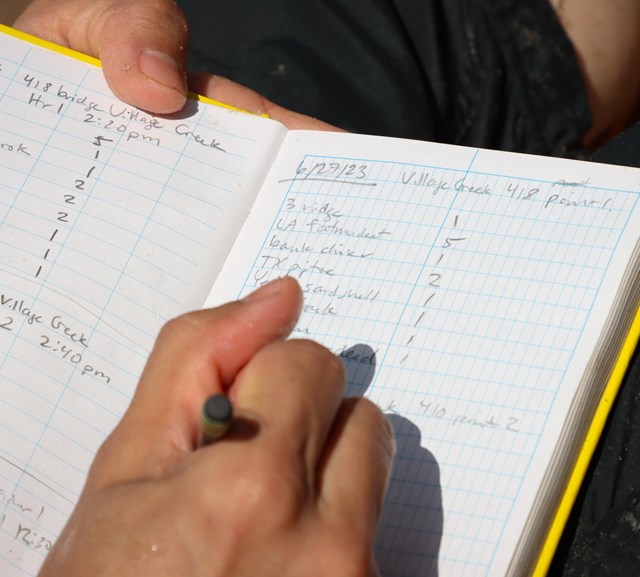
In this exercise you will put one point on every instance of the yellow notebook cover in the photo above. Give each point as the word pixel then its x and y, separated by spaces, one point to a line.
pixel 588 448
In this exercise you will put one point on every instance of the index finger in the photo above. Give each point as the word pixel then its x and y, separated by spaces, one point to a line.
pixel 229 92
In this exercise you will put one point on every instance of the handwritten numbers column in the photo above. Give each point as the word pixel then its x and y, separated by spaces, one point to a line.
pixel 436 282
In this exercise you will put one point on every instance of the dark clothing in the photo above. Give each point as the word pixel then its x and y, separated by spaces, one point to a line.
pixel 491 73
pixel 488 73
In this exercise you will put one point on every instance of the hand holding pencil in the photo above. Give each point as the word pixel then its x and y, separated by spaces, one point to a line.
pixel 293 488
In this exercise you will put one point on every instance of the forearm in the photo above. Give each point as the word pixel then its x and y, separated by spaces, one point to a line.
pixel 606 37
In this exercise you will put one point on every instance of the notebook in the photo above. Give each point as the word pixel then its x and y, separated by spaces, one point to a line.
pixel 484 300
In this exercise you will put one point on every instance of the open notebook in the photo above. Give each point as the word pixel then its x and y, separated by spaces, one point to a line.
pixel 480 298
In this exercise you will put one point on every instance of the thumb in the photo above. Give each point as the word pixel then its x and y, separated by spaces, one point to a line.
pixel 142 44
pixel 196 355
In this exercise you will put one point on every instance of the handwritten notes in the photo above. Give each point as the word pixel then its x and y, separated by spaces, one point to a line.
pixel 112 220
pixel 462 295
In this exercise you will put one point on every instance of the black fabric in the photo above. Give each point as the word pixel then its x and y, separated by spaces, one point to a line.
pixel 491 73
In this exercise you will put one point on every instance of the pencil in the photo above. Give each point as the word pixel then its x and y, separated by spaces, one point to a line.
pixel 215 418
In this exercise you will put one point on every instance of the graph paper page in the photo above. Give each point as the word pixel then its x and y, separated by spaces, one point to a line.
pixel 111 222
pixel 464 291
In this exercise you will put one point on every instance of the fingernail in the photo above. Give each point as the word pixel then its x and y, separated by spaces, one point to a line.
pixel 265 292
pixel 161 68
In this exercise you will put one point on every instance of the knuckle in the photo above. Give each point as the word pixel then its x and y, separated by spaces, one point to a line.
pixel 271 487
pixel 267 493
pixel 312 354
pixel 104 453
pixel 105 461
pixel 298 361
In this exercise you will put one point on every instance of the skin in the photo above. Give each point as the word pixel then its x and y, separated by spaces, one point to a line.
pixel 143 46
pixel 294 489
pixel 606 37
